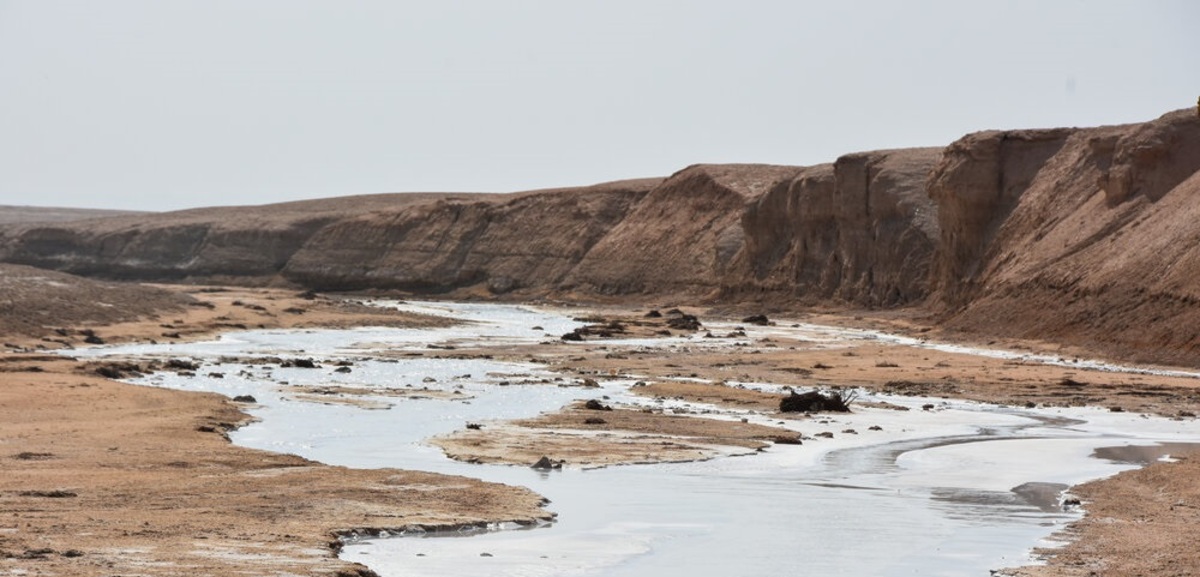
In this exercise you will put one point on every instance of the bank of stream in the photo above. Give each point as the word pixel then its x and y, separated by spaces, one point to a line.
pixel 960 490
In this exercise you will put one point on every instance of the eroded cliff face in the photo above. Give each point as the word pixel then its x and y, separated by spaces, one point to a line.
pixel 683 237
pixel 529 242
pixel 1084 236
pixel 1098 246
pixel 860 231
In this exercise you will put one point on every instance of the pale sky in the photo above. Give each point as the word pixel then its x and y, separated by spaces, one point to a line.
pixel 168 104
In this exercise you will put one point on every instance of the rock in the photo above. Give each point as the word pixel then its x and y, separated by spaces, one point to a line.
pixel 760 320
pixel 572 336
pixel 545 464
pixel 93 339
pixel 684 322
pixel 654 314
pixel 501 285
pixel 594 405
pixel 245 399
pixel 594 421
pixel 813 402
pixel 109 372
pixel 342 370
pixel 181 365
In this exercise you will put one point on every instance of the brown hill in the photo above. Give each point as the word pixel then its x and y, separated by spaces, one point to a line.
pixel 1083 236
pixel 37 214
pixel 35 301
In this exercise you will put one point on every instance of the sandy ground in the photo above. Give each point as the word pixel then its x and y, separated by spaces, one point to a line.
pixel 102 477
pixel 105 478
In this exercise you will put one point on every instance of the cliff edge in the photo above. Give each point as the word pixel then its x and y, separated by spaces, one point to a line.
pixel 1087 236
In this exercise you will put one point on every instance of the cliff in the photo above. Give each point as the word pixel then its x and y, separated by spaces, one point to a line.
pixel 1083 236
pixel 530 242
pixel 861 230
pixel 1088 236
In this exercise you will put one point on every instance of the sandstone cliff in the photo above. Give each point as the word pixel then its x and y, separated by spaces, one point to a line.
pixel 861 230
pixel 530 241
pixel 1085 236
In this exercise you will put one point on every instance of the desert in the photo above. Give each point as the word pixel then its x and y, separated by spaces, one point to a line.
pixel 1074 249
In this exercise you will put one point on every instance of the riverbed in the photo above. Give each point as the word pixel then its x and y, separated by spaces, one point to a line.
pixel 961 489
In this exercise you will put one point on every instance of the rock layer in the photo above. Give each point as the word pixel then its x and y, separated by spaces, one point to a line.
pixel 1085 236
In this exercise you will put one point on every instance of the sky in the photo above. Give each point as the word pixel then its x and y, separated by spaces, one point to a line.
pixel 171 104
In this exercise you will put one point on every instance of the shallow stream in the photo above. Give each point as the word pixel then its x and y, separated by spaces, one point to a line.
pixel 961 490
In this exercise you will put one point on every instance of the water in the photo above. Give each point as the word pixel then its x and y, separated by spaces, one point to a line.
pixel 958 491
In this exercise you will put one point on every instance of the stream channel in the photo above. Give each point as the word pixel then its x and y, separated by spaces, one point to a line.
pixel 961 490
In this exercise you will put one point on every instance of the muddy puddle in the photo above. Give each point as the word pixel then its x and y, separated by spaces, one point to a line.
pixel 962 490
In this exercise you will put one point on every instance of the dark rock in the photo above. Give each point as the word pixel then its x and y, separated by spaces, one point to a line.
pixel 109 372
pixel 181 365
pixel 342 370
pixel 545 464
pixel 245 399
pixel 787 440
pixel 572 336
pixel 93 339
pixel 654 314
pixel 684 322
pixel 760 320
pixel 595 405
pixel 474 426
pixel 300 364
pixel 594 421
pixel 814 402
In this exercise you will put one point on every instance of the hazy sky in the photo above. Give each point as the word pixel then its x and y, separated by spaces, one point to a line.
pixel 163 104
